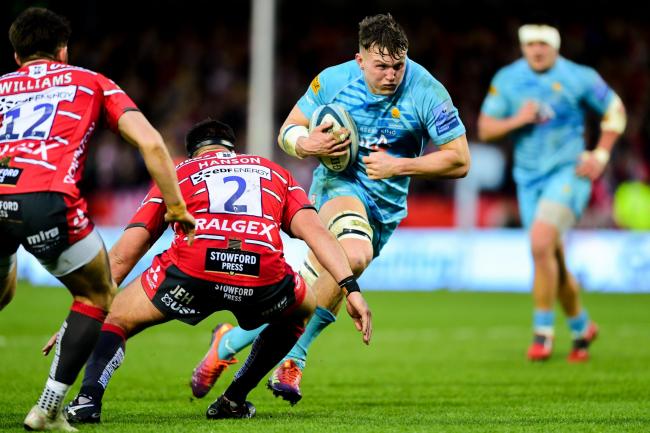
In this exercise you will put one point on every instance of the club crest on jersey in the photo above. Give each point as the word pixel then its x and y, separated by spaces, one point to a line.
pixel 37 71
pixel 315 85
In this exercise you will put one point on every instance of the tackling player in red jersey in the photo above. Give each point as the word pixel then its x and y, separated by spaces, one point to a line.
pixel 48 112
pixel 237 263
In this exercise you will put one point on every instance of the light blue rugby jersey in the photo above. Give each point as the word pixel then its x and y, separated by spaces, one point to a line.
pixel 401 124
pixel 563 92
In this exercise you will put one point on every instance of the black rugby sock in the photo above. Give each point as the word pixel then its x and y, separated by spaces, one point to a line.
pixel 76 341
pixel 105 359
pixel 268 349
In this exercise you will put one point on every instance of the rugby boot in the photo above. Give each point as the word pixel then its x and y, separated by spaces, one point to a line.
pixel 37 420
pixel 223 408
pixel 285 382
pixel 579 351
pixel 541 348
pixel 210 368
pixel 83 410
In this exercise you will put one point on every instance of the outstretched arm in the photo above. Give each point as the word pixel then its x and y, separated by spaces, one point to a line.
pixel 137 130
pixel 307 226
pixel 127 251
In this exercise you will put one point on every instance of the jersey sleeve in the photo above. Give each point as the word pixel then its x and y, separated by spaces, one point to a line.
pixel 296 200
pixel 597 94
pixel 151 215
pixel 116 101
pixel 320 92
pixel 440 115
pixel 495 103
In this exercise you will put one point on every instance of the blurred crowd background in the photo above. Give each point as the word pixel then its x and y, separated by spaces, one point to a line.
pixel 183 61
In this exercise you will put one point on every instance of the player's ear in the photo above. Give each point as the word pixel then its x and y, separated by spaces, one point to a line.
pixel 62 54
pixel 17 59
pixel 359 58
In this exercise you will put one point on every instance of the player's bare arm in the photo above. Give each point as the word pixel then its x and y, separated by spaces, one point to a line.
pixel 127 251
pixel 592 163
pixel 296 140
pixel 492 129
pixel 137 130
pixel 451 161
pixel 307 226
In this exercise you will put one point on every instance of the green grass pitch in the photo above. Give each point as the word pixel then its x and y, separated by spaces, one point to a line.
pixel 439 362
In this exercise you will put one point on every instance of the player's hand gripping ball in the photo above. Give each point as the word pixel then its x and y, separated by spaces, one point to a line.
pixel 339 118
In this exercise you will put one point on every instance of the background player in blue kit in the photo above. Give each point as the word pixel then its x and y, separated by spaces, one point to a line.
pixel 541 100
pixel 398 108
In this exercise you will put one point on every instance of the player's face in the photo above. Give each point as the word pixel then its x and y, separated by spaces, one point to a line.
pixel 539 55
pixel 382 72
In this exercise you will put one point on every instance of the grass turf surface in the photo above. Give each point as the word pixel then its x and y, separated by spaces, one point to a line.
pixel 439 362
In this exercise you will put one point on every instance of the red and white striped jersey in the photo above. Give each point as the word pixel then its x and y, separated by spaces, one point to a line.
pixel 48 111
pixel 240 203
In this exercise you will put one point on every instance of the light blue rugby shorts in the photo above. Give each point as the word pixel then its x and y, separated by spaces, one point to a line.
pixel 562 186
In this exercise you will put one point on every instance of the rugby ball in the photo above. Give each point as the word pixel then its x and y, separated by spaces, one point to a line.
pixel 340 118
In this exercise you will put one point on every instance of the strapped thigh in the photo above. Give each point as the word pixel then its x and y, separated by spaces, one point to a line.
pixel 350 225
pixel 344 225
pixel 555 214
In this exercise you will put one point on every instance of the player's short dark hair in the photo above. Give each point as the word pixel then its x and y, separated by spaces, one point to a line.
pixel 385 32
pixel 209 132
pixel 38 32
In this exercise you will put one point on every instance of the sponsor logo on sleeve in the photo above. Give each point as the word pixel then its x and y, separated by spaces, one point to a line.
pixel 445 117
pixel 600 89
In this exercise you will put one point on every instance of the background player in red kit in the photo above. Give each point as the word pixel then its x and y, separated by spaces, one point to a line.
pixel 48 111
pixel 240 202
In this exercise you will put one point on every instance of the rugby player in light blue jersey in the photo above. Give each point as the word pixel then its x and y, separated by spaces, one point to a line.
pixel 541 100
pixel 398 108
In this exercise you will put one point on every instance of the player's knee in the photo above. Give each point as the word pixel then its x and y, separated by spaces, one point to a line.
pixel 354 232
pixel 121 320
pixel 359 260
pixel 103 295
pixel 542 247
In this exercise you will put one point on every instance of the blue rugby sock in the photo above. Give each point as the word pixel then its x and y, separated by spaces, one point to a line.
pixel 543 321
pixel 578 324
pixel 236 340
pixel 319 321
